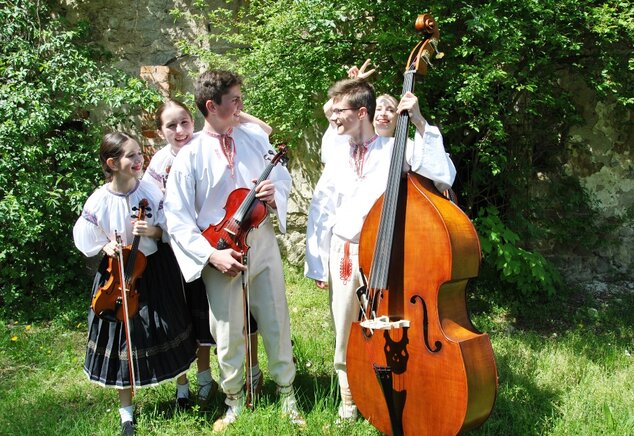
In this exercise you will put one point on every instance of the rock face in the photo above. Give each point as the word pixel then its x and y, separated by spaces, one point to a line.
pixel 601 158
pixel 142 34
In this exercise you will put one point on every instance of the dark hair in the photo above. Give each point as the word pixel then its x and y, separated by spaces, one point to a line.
pixel 159 112
pixel 212 85
pixel 358 92
pixel 112 147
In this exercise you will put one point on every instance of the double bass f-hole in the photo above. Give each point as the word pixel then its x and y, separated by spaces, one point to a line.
pixel 425 323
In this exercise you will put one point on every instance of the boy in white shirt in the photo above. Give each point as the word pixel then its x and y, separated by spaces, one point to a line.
pixel 348 188
pixel 218 160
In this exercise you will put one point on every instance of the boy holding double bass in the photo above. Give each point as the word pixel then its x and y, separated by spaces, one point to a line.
pixel 348 188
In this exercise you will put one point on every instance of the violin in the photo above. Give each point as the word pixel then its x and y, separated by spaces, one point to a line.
pixel 243 212
pixel 416 364
pixel 107 302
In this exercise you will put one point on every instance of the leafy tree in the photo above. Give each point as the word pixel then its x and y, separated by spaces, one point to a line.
pixel 499 95
pixel 51 82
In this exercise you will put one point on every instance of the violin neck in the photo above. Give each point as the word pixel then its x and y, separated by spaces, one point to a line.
pixel 245 207
pixel 385 235
pixel 129 265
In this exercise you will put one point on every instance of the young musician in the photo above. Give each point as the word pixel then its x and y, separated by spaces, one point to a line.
pixel 219 159
pixel 352 180
pixel 175 124
pixel 162 343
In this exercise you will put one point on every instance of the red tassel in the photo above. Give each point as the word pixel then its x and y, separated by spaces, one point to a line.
pixel 345 268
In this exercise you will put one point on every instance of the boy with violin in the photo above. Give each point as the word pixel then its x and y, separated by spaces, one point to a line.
pixel 347 189
pixel 221 158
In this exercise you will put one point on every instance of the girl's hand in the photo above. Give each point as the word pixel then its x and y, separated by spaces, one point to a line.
pixel 111 248
pixel 142 228
pixel 265 191
pixel 321 285
pixel 409 103
pixel 360 73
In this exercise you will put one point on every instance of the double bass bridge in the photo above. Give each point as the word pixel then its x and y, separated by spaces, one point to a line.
pixel 384 323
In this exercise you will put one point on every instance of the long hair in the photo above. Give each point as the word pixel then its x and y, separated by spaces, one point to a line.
pixel 112 147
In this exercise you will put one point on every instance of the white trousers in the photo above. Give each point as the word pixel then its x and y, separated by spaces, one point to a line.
pixel 344 305
pixel 268 306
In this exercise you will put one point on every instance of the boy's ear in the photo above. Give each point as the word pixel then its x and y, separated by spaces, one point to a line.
pixel 211 106
pixel 363 112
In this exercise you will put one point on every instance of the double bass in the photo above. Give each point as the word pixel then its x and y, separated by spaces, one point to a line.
pixel 416 364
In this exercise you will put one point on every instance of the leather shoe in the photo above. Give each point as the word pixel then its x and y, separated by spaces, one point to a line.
pixel 127 428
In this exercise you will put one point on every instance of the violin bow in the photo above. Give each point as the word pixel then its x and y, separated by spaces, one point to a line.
pixel 126 319
pixel 247 334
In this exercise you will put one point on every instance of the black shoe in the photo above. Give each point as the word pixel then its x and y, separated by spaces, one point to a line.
pixel 183 404
pixel 204 400
pixel 127 428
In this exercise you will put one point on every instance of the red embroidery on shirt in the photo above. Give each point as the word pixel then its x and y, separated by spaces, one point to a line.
pixel 345 267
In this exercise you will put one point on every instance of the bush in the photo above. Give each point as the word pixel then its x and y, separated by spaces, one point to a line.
pixel 499 94
pixel 51 82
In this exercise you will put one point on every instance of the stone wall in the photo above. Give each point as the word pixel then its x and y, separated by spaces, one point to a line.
pixel 601 157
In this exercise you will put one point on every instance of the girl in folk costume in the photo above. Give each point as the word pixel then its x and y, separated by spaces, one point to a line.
pixel 162 344
pixel 175 124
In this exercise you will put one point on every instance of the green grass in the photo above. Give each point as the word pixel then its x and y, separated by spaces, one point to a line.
pixel 564 369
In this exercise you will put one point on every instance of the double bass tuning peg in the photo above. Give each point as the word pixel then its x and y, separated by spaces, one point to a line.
pixel 434 45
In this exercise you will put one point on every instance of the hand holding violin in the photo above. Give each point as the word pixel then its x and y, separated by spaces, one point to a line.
pixel 265 191
pixel 111 248
pixel 142 228
pixel 227 261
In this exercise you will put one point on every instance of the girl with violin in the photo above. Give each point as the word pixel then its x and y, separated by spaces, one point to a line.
pixel 175 124
pixel 161 344
pixel 353 179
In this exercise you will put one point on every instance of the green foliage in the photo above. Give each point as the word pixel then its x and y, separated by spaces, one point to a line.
pixel 501 94
pixel 51 82
pixel 527 271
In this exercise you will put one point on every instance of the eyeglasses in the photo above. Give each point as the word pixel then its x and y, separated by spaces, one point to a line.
pixel 338 111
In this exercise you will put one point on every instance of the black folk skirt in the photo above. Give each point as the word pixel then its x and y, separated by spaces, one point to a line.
pixel 198 307
pixel 163 341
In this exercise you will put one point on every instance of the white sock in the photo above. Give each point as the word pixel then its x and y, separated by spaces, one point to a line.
pixel 182 391
pixel 126 413
pixel 204 382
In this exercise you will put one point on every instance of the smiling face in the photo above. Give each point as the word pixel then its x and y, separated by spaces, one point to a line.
pixel 177 126
pixel 130 164
pixel 345 117
pixel 385 115
pixel 227 112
